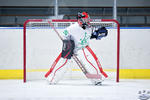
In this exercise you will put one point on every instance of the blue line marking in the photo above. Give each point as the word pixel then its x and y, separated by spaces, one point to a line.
pixel 64 28
pixel 11 27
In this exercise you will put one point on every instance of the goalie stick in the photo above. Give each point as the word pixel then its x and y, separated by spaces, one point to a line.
pixel 84 70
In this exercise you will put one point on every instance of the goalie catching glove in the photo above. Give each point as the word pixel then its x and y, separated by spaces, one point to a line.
pixel 99 33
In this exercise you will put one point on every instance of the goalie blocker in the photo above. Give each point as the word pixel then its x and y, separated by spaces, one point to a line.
pixel 68 49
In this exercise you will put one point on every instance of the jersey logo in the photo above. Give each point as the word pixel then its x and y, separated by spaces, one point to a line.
pixel 65 32
pixel 84 40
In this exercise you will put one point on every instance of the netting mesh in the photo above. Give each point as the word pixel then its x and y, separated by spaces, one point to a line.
pixel 66 24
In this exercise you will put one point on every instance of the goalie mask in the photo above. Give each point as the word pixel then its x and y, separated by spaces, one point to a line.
pixel 83 19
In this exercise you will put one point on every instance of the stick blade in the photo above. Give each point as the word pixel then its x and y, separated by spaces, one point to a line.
pixel 93 76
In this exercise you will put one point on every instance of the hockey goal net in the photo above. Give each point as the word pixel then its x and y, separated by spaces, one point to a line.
pixel 41 46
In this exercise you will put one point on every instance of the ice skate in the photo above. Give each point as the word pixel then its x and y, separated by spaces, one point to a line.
pixel 97 81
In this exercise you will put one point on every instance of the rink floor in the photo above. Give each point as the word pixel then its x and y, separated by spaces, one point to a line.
pixel 72 90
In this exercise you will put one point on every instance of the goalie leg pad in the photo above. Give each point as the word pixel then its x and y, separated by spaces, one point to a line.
pixel 57 74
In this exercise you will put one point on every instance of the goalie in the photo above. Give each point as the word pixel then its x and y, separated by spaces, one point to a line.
pixel 76 37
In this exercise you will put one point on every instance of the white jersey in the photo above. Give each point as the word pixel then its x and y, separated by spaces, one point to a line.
pixel 81 37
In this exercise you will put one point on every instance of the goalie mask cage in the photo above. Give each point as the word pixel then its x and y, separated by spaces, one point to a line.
pixel 41 46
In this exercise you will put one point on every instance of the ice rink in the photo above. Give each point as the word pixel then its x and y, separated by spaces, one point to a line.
pixel 73 90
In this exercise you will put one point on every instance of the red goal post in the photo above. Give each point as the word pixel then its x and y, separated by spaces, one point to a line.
pixel 71 21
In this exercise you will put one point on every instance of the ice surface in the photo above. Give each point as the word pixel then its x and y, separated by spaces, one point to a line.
pixel 72 90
